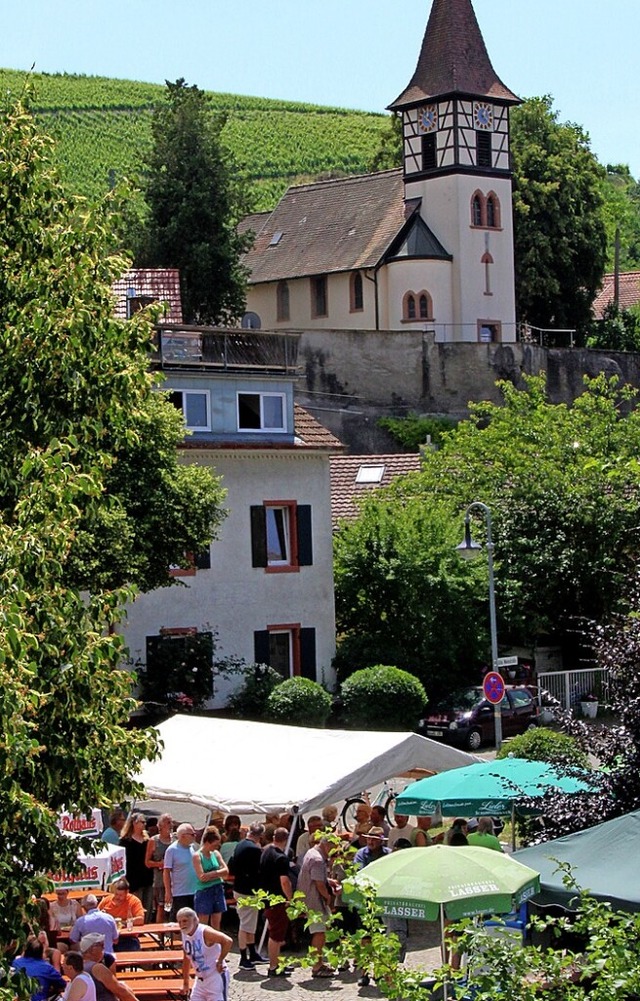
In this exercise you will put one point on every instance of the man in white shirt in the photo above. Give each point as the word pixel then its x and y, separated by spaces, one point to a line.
pixel 402 829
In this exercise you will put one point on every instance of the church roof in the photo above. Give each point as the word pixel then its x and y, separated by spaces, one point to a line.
pixel 629 292
pixel 453 59
pixel 330 226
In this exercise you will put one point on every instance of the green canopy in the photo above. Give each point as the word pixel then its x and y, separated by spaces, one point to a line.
pixel 604 860
pixel 489 788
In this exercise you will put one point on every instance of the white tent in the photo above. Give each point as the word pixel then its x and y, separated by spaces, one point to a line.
pixel 242 767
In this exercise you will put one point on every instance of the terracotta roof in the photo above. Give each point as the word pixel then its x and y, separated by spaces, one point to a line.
pixel 453 59
pixel 330 226
pixel 629 292
pixel 377 471
pixel 156 284
pixel 311 432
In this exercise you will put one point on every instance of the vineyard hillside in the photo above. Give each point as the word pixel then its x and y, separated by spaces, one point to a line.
pixel 102 131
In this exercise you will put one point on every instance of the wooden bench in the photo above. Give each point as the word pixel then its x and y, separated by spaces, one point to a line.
pixel 155 987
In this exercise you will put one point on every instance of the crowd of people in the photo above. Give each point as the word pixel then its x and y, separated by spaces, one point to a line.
pixel 180 874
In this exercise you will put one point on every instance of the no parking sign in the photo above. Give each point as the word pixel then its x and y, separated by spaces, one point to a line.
pixel 493 687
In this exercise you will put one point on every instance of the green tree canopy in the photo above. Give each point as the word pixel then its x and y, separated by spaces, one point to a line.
pixel 559 229
pixel 195 199
pixel 87 443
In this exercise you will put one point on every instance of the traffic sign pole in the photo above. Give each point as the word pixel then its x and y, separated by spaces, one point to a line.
pixel 493 689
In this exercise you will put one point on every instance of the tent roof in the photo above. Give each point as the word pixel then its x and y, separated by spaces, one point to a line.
pixel 242 767
pixel 604 861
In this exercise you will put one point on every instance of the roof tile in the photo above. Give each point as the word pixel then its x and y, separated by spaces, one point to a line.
pixel 157 284
pixel 629 292
pixel 345 491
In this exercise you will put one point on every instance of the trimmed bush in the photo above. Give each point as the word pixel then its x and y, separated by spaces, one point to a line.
pixel 250 701
pixel 382 698
pixel 541 744
pixel 299 702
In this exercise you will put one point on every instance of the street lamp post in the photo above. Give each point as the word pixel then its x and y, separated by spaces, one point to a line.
pixel 469 549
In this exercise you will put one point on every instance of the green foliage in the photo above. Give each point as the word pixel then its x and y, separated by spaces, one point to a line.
pixel 559 228
pixel 541 744
pixel 299 702
pixel 621 193
pixel 402 593
pixel 413 430
pixel 181 675
pixel 75 398
pixel 619 330
pixel 195 200
pixel 102 129
pixel 382 697
pixel 250 701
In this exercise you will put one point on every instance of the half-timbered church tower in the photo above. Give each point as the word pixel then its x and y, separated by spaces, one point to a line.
pixel 429 246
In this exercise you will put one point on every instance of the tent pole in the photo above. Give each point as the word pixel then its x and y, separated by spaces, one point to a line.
pixel 443 951
pixel 513 825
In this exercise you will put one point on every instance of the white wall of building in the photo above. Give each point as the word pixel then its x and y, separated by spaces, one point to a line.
pixel 233 598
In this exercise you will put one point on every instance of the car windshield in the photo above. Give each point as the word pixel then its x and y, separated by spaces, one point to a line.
pixel 464 698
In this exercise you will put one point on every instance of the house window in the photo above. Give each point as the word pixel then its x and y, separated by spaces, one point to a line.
pixel 409 306
pixel 493 212
pixel 195 406
pixel 477 210
pixel 282 301
pixel 281 536
pixel 484 156
pixel 357 293
pixel 425 306
pixel 191 564
pixel 137 302
pixel 417 306
pixel 429 155
pixel 288 649
pixel 489 331
pixel 319 296
pixel 261 412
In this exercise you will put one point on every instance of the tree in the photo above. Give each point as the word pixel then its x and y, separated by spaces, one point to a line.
pixel 195 199
pixel 402 595
pixel 559 230
pixel 621 193
pixel 78 406
pixel 562 486
pixel 618 330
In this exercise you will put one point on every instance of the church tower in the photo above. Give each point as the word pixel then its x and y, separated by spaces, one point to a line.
pixel 455 117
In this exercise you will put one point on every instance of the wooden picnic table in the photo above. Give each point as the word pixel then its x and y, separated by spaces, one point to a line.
pixel 162 933
pixel 151 957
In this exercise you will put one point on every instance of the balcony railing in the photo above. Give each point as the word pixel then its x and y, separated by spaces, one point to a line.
pixel 206 348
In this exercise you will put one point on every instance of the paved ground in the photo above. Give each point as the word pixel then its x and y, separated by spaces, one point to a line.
pixel 423 954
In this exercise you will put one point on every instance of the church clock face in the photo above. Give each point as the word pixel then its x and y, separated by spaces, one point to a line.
pixel 428 118
pixel 482 115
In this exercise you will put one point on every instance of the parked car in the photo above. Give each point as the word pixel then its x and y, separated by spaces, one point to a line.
pixel 466 718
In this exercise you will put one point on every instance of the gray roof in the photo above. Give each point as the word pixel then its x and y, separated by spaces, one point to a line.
pixel 330 226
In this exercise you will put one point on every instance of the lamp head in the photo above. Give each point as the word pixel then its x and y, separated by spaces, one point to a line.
pixel 468 549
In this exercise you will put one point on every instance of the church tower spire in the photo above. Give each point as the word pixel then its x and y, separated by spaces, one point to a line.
pixel 453 59
pixel 456 159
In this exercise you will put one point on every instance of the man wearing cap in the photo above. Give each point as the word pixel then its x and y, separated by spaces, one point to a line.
pixel 205 950
pixel 98 966
pixel 95 921
pixel 481 834
pixel 374 848
pixel 178 875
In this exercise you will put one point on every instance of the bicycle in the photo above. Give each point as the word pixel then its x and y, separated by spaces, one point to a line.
pixel 386 798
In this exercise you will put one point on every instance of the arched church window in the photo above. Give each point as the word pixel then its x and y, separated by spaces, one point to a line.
pixel 425 306
pixel 357 292
pixel 282 301
pixel 493 211
pixel 477 209
pixel 409 311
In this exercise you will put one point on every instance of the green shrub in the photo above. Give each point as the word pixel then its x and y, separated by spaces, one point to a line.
pixel 383 698
pixel 250 701
pixel 412 431
pixel 299 702
pixel 541 744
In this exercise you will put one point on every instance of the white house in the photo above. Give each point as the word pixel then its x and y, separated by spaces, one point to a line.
pixel 264 590
pixel 428 246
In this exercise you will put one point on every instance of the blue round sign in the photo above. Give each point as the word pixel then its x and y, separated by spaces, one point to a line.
pixel 493 687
